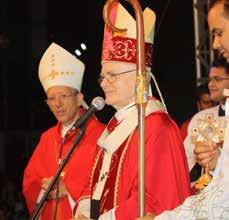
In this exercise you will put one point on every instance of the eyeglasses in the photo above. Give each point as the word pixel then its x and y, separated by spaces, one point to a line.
pixel 62 97
pixel 217 79
pixel 111 77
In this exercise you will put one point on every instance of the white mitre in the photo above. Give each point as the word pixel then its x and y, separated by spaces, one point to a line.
pixel 58 67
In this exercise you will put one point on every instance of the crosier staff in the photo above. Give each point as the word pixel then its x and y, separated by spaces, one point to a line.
pixel 141 91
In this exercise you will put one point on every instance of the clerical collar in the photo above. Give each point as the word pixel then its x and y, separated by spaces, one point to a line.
pixel 66 128
pixel 120 114
pixel 221 111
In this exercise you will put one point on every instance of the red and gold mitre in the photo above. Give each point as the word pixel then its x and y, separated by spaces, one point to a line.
pixel 121 47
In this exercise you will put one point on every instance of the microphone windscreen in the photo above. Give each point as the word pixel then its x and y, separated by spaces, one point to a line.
pixel 98 103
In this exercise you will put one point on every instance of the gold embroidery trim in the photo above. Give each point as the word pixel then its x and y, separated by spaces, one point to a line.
pixel 120 168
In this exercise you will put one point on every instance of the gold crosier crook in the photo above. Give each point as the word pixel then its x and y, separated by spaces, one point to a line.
pixel 141 91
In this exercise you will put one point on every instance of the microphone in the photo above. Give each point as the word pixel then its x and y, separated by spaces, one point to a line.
pixel 97 104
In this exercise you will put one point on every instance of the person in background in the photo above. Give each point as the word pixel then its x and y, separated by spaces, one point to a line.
pixel 218 81
pixel 213 201
pixel 61 75
pixel 203 101
pixel 114 181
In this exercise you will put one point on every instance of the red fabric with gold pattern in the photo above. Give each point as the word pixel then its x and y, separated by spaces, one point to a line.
pixel 124 50
pixel 108 198
pixel 122 47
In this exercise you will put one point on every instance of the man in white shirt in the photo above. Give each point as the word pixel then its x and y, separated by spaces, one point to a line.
pixel 218 81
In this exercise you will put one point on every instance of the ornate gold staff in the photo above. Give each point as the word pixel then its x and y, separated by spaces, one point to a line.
pixel 141 91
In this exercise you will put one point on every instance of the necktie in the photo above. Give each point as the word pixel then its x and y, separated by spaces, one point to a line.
pixel 112 124
pixel 221 112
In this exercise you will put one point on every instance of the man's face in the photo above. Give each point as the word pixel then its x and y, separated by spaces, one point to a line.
pixel 120 89
pixel 204 102
pixel 219 27
pixel 64 103
pixel 217 84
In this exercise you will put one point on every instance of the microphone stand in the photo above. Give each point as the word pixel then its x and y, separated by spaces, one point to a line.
pixel 77 139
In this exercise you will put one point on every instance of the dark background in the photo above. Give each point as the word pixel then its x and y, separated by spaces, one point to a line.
pixel 26 30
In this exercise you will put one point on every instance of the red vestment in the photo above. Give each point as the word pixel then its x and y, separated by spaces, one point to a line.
pixel 184 128
pixel 44 163
pixel 166 175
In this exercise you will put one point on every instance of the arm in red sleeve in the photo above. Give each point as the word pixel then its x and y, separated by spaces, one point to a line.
pixel 32 178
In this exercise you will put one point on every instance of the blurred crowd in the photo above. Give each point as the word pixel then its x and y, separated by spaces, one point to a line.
pixel 12 205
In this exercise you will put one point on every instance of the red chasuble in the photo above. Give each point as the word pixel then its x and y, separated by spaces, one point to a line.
pixel 184 128
pixel 43 164
pixel 167 182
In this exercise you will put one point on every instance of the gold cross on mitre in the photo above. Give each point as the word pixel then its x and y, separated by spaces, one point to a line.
pixel 208 129
pixel 53 74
